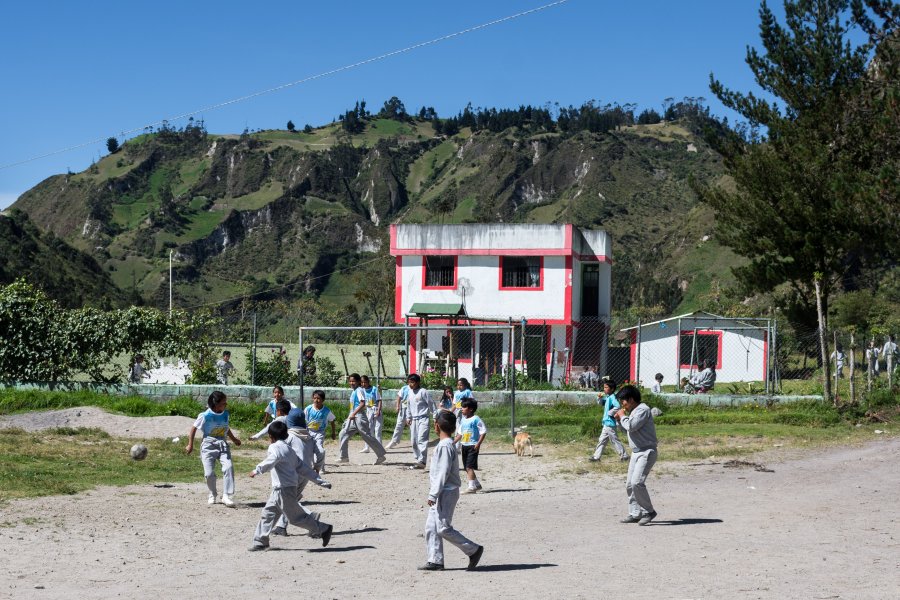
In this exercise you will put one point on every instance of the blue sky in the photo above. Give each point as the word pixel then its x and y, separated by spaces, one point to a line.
pixel 74 72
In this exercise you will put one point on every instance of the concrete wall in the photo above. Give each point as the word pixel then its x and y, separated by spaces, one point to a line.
pixel 498 237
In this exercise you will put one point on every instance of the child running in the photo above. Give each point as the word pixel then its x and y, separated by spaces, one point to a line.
pixel 214 424
pixel 286 468
pixel 358 423
pixel 470 433
pixel 401 417
pixel 303 446
pixel 609 434
pixel 318 416
pixel 420 407
pixel 281 410
pixel 373 410
pixel 442 498
pixel 642 439
pixel 277 395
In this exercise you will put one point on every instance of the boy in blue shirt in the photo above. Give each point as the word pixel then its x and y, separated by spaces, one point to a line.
pixel 470 433
pixel 608 434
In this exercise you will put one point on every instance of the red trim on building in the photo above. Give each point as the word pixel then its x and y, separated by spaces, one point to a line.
pixel 567 294
pixel 593 258
pixel 719 334
pixel 393 230
pixel 398 287
pixel 540 287
pixel 568 237
pixel 441 287
pixel 413 361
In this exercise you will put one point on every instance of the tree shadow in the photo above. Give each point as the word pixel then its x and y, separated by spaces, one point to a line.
pixel 687 522
pixel 505 491
pixel 508 567
pixel 340 549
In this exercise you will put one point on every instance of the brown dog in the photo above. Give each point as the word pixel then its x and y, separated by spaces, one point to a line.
pixel 522 441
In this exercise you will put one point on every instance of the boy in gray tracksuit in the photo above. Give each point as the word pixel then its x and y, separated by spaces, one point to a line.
pixel 442 498
pixel 286 468
pixel 642 439
pixel 299 441
pixel 420 407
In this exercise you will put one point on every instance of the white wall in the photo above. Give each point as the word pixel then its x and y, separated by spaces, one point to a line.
pixel 489 236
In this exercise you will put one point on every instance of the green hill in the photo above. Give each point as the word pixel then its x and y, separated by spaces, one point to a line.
pixel 281 209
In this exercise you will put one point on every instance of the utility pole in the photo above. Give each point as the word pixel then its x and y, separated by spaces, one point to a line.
pixel 170 283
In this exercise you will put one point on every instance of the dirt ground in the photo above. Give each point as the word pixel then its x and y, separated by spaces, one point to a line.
pixel 824 524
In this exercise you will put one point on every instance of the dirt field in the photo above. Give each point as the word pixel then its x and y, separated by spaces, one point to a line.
pixel 822 525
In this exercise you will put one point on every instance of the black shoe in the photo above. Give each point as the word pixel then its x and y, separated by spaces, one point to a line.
pixel 326 535
pixel 430 566
pixel 645 520
pixel 630 519
pixel 473 560
pixel 258 547
pixel 279 531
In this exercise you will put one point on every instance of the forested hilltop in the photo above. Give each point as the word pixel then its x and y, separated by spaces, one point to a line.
pixel 278 211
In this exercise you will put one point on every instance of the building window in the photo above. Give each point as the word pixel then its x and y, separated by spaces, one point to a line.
pixel 439 271
pixel 521 272
pixel 706 349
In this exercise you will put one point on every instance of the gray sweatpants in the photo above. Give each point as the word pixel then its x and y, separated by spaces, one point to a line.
pixel 358 425
pixel 317 442
pixel 609 435
pixel 638 468
pixel 283 501
pixel 376 424
pixel 419 430
pixel 438 528
pixel 211 450
pixel 398 428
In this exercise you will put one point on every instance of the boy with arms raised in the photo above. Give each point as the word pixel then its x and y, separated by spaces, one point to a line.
pixel 442 498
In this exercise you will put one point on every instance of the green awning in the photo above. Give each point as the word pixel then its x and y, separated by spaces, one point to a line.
pixel 437 309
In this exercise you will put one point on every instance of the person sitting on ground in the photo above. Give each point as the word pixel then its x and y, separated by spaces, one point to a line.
pixel 706 379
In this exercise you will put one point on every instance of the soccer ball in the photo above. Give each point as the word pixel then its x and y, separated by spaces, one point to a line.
pixel 139 452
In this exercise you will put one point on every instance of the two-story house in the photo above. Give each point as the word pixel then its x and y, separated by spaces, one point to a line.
pixel 556 277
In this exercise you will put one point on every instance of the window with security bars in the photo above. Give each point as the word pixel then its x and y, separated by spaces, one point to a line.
pixel 440 271
pixel 707 348
pixel 520 272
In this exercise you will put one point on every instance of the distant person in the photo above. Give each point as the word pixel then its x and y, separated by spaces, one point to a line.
pixel 224 368
pixel 213 423
pixel 889 353
pixel 609 433
pixel 705 380
pixel 138 373
pixel 306 365
pixel 872 353
pixel 419 407
pixel 443 495
pixel 374 413
pixel 318 416
pixel 286 468
pixel 470 433
pixel 592 379
pixel 358 422
pixel 636 419
pixel 838 358
pixel 656 388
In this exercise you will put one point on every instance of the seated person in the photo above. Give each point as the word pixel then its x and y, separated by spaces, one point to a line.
pixel 705 380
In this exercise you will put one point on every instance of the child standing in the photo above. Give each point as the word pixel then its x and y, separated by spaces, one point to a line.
pixel 286 468
pixel 470 434
pixel 642 439
pixel 609 434
pixel 214 446
pixel 401 417
pixel 318 416
pixel 358 423
pixel 224 368
pixel 442 498
pixel 447 399
pixel 463 390
pixel 656 388
pixel 138 372
pixel 420 407
pixel 373 410
pixel 277 395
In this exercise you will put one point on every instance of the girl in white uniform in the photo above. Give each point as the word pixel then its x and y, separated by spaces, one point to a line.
pixel 216 433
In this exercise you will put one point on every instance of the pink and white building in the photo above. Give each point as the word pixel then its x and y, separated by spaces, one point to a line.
pixel 556 277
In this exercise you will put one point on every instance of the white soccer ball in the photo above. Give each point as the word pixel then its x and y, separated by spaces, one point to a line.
pixel 139 452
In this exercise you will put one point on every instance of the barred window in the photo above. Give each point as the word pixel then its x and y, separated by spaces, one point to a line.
pixel 440 271
pixel 520 272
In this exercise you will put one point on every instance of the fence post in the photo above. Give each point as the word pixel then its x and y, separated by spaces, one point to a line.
pixel 522 347
pixel 378 360
pixel 837 371
pixel 301 369
pixel 406 347
pixel 776 380
pixel 637 355
pixel 823 347
pixel 678 358
pixel 253 352
pixel 852 369
pixel 768 355
pixel 889 362
pixel 512 394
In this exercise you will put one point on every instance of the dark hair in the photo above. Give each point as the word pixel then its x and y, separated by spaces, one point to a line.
pixel 226 353
pixel 355 376
pixel 278 430
pixel 469 403
pixel 658 377
pixel 283 406
pixel 629 392
pixel 309 349
pixel 279 388
pixel 465 383
pixel 138 357
pixel 215 398
pixel 446 421
pixel 607 380
pixel 320 393
pixel 414 377
pixel 365 378
pixel 446 388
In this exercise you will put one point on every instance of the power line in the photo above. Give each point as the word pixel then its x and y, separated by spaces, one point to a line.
pixel 283 86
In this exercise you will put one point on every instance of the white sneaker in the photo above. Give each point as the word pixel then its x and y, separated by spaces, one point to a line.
pixel 211 499
pixel 391 444
pixel 226 500
pixel 365 451
pixel 470 490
